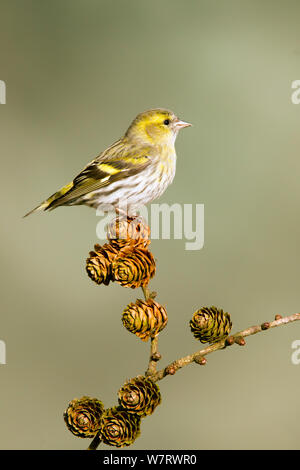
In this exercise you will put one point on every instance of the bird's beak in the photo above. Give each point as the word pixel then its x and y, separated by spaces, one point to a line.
pixel 181 124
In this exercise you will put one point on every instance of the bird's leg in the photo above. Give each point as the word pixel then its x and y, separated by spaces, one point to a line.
pixel 120 212
pixel 148 294
pixel 124 213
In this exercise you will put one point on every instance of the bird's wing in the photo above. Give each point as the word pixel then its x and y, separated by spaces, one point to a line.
pixel 116 163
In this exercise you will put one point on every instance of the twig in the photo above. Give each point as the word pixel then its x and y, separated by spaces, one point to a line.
pixel 147 293
pixel 154 357
pixel 154 354
pixel 94 444
pixel 237 338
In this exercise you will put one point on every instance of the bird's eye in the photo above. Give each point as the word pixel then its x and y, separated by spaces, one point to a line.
pixel 166 122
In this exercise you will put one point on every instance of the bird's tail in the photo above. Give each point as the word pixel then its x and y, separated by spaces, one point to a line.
pixel 52 201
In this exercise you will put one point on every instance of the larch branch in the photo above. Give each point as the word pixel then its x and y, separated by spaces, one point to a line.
pixel 237 338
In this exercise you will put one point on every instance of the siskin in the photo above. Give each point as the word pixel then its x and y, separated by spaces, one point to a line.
pixel 133 171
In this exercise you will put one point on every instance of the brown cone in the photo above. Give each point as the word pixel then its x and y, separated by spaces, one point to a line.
pixel 139 395
pixel 133 267
pixel 119 428
pixel 210 324
pixel 144 318
pixel 83 416
pixel 123 231
pixel 98 265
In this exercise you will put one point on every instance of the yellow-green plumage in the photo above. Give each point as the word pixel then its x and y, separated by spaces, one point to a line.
pixel 133 171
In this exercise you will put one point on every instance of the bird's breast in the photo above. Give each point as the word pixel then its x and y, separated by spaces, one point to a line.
pixel 166 166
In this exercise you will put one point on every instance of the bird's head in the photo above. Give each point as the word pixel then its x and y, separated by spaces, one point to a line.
pixel 155 127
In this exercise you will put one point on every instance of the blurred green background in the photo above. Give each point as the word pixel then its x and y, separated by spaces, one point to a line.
pixel 77 72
